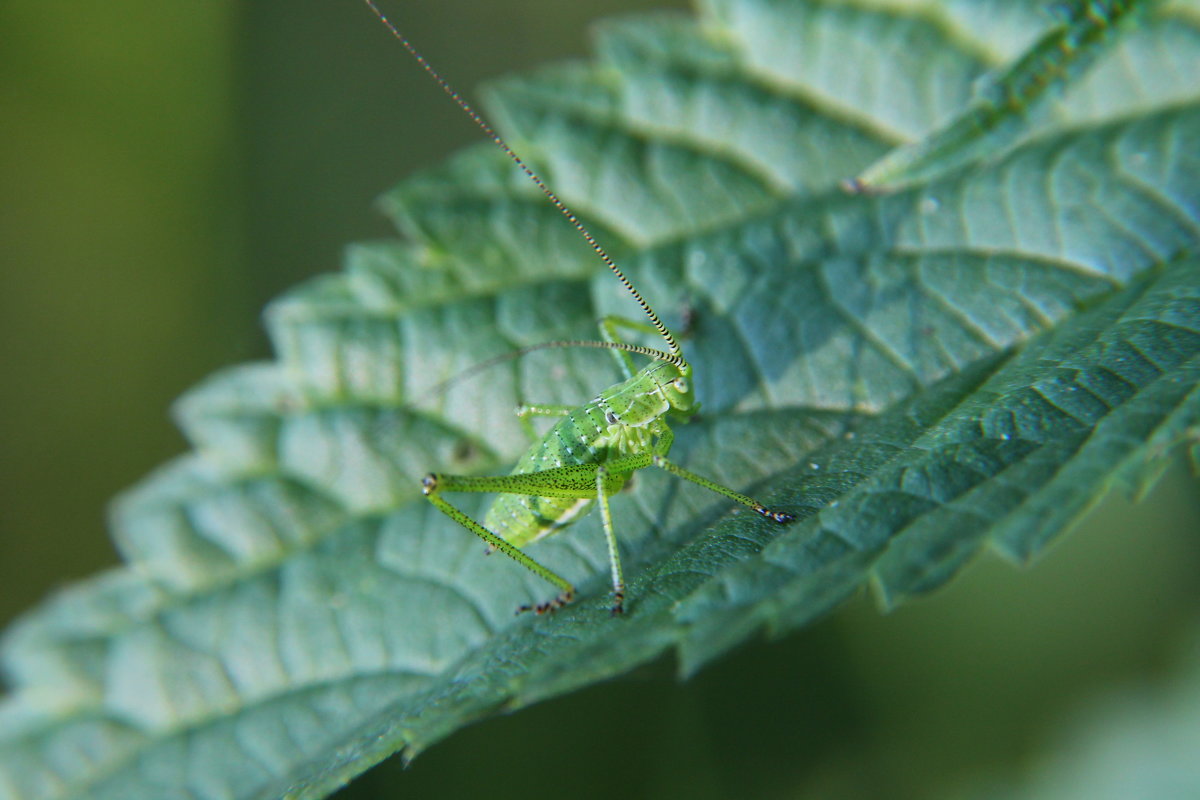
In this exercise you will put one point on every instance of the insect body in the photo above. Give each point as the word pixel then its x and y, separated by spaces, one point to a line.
pixel 624 420
pixel 592 451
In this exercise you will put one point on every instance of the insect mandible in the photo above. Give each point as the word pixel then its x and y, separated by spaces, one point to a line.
pixel 593 449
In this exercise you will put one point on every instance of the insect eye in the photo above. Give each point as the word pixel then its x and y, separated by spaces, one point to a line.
pixel 680 385
pixel 611 417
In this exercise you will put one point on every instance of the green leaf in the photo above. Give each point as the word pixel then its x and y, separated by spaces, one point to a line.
pixel 963 365
pixel 1008 101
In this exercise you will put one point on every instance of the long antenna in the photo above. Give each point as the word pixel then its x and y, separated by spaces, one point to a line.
pixel 676 355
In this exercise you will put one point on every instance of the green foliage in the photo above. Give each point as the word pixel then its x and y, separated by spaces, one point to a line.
pixel 967 364
pixel 1008 100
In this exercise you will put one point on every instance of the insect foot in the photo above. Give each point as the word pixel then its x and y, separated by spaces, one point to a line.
pixel 552 605
pixel 778 516
pixel 618 606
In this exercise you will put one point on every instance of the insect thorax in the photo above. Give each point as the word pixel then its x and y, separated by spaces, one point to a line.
pixel 656 390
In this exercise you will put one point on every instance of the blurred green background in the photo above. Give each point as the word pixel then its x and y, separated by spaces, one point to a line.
pixel 167 168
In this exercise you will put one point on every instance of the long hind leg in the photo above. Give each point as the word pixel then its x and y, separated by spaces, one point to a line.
pixel 584 481
pixel 433 486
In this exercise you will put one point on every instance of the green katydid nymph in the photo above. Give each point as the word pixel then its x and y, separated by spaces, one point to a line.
pixel 593 450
